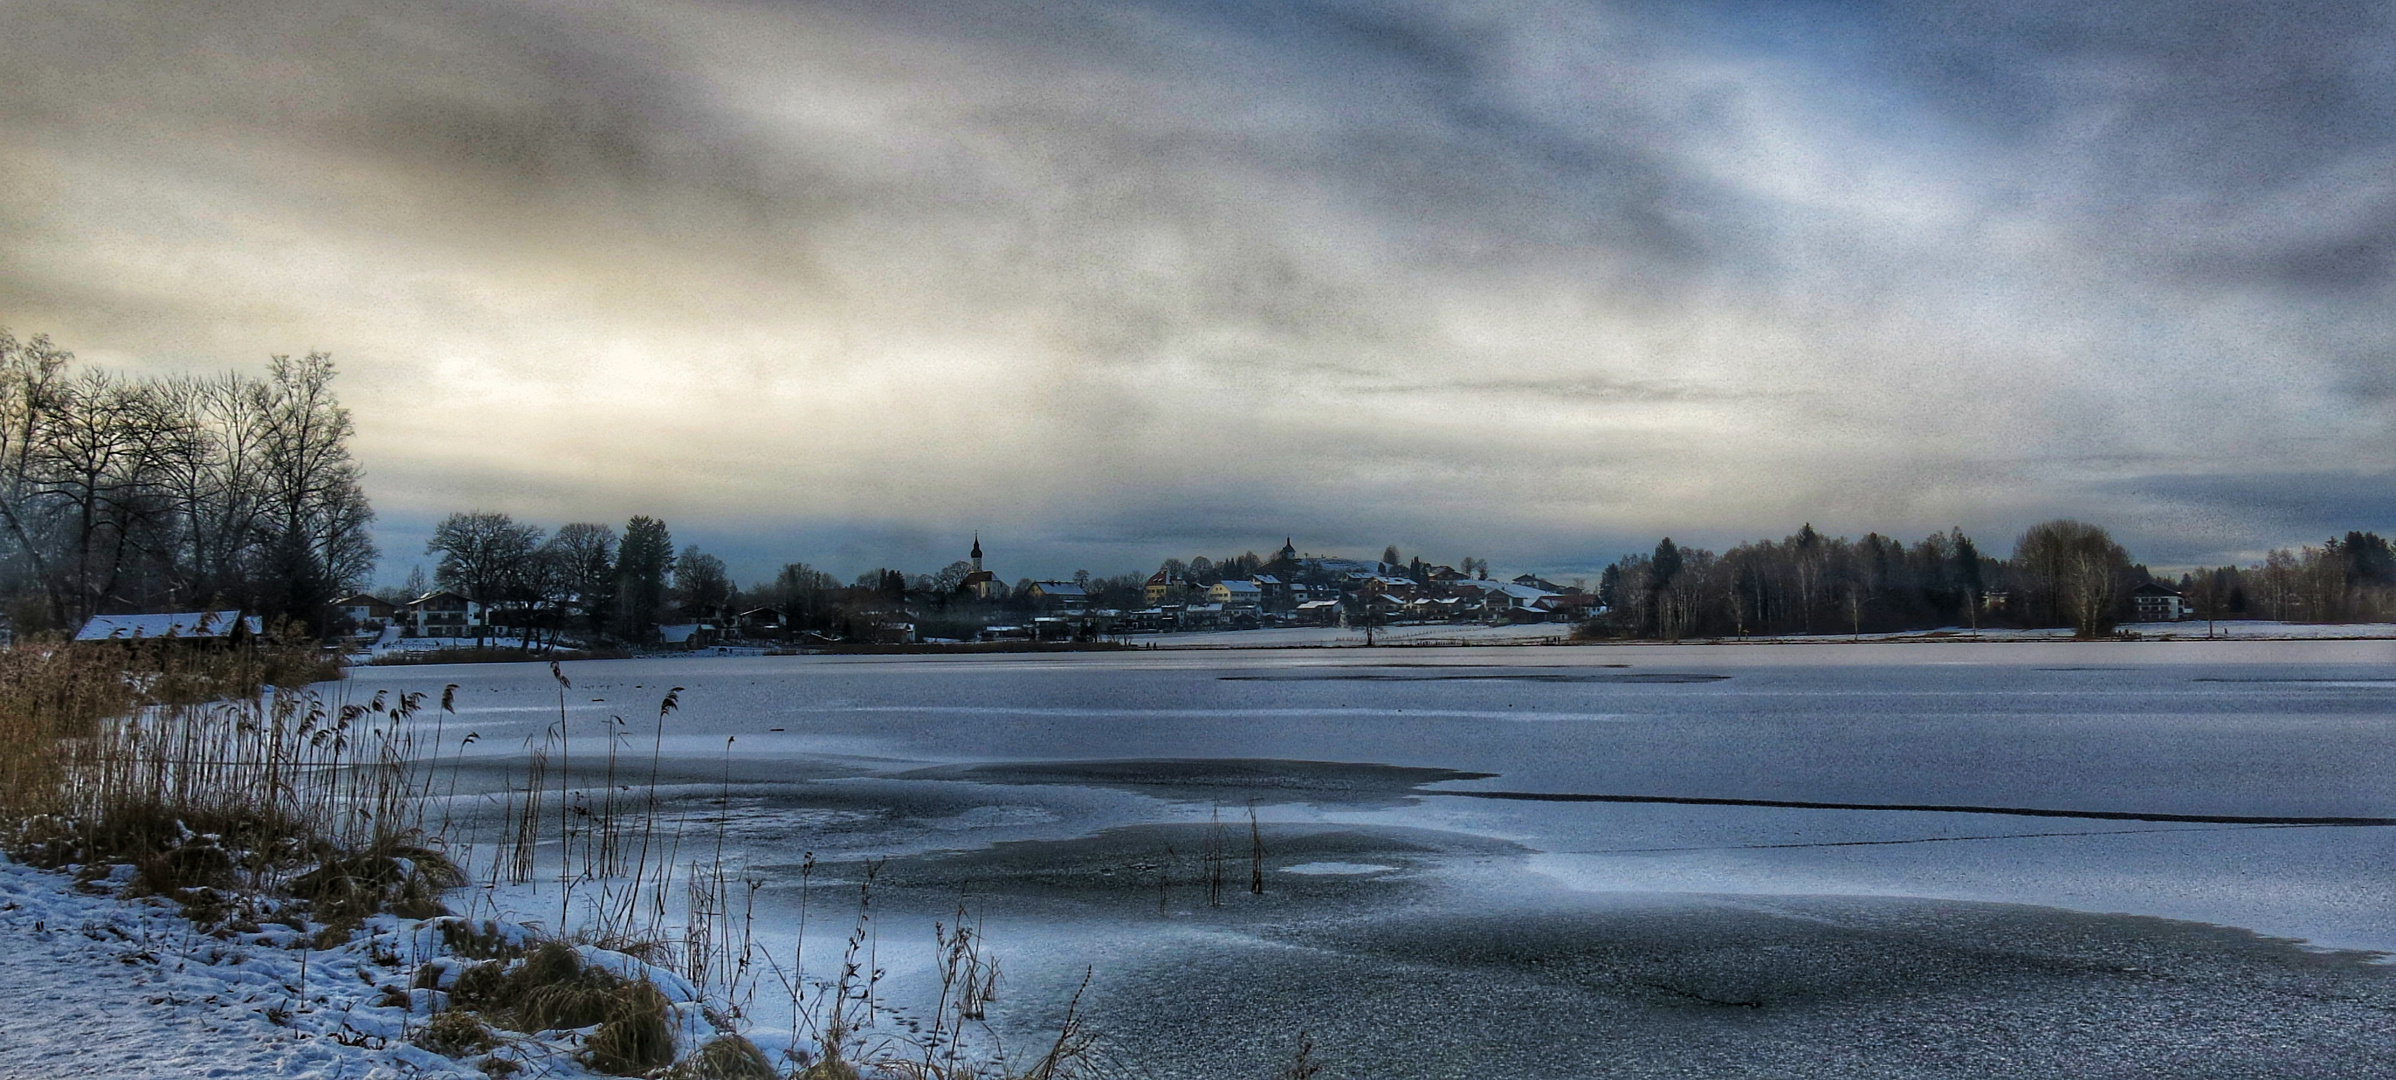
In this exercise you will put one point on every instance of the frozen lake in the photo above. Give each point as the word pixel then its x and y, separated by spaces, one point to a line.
pixel 1066 798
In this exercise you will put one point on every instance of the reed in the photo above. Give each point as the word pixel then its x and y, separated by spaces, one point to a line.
pixel 217 782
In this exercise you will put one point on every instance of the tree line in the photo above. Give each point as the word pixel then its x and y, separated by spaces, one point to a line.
pixel 124 493
pixel 2343 579
pixel 2062 573
pixel 597 583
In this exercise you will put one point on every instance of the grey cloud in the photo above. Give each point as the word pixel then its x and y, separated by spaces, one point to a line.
pixel 2169 117
pixel 1049 262
pixel 2182 518
pixel 1581 390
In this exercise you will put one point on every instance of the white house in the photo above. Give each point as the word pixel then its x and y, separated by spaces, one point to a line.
pixel 2158 603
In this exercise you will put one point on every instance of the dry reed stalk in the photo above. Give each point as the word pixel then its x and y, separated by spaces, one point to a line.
pixel 1213 859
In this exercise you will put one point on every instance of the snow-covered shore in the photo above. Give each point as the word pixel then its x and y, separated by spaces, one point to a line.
pixel 96 986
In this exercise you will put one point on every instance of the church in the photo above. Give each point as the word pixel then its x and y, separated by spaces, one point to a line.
pixel 981 583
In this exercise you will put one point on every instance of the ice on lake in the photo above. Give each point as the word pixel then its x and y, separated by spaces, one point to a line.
pixel 1079 802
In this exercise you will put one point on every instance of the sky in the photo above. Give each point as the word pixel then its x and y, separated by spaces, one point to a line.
pixel 1526 281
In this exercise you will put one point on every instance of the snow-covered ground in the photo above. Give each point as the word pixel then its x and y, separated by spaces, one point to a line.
pixel 101 987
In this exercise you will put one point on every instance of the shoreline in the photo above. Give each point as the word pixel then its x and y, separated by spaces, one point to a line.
pixel 1433 639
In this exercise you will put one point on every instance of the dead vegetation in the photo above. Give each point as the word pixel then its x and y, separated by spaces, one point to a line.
pixel 551 988
pixel 247 803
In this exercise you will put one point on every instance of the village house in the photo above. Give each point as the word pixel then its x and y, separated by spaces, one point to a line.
pixel 688 636
pixel 2158 603
pixel 1236 594
pixel 1059 595
pixel 442 614
pixel 365 611
pixel 1162 585
pixel 1318 613
pixel 762 624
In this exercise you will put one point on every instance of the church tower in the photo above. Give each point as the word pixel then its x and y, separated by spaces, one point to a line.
pixel 977 552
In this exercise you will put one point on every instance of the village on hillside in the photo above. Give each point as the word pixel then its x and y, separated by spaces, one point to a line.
pixel 1288 590
pixel 501 586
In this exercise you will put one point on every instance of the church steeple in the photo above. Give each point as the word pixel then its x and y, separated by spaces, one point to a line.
pixel 977 550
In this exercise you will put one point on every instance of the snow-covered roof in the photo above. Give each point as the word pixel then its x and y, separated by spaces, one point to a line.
pixel 1241 588
pixel 183 624
pixel 678 633
pixel 1059 588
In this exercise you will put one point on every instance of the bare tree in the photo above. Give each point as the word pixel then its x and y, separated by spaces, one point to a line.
pixel 486 558
pixel 2078 569
pixel 101 466
pixel 31 376
pixel 586 562
pixel 315 511
pixel 701 583
pixel 120 492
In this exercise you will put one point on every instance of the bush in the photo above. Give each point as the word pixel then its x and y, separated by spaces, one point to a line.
pixel 634 1038
pixel 456 1033
pixel 729 1057
pixel 551 989
pixel 402 879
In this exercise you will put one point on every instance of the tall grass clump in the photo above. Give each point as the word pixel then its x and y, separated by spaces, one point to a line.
pixel 196 764
pixel 49 693
pixel 220 776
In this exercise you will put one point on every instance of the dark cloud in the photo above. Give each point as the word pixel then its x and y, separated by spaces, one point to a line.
pixel 2220 136
pixel 2219 518
pixel 1518 275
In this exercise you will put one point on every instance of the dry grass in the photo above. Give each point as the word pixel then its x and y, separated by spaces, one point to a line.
pixel 218 786
pixel 551 989
pixel 456 1034
pixel 728 1057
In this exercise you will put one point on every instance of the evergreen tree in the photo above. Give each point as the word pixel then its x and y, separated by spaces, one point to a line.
pixel 642 559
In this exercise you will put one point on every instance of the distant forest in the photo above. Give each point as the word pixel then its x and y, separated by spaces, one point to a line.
pixel 2062 573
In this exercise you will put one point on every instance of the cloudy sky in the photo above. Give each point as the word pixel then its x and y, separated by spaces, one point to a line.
pixel 1530 281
